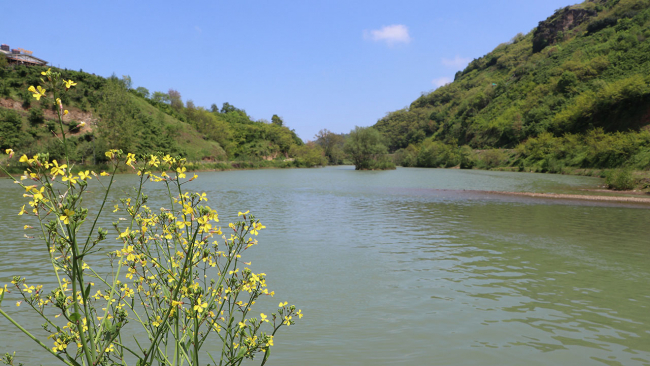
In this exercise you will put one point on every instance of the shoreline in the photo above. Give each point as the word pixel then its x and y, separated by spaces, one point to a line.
pixel 643 200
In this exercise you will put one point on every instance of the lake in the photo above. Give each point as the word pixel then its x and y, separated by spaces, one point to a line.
pixel 418 267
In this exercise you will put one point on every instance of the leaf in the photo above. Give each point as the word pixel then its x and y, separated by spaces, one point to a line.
pixel 74 317
pixel 87 292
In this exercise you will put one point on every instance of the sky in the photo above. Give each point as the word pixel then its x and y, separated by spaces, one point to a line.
pixel 318 64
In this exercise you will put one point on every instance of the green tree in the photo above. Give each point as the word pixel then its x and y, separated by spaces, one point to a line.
pixel 276 120
pixel 144 92
pixel 3 60
pixel 364 145
pixel 332 144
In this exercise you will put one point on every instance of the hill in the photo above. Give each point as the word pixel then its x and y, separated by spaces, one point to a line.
pixel 579 80
pixel 108 113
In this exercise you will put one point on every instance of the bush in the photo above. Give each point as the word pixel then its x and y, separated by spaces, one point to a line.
pixel 620 179
pixel 36 116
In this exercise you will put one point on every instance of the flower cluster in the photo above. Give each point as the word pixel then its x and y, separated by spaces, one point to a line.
pixel 177 274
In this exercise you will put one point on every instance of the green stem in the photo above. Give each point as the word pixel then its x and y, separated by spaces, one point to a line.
pixel 34 338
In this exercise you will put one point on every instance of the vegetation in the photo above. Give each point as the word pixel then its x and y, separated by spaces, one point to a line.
pixel 175 277
pixel 575 92
pixel 366 148
pixel 110 113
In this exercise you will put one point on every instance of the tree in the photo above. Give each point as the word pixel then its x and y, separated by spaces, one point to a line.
pixel 364 145
pixel 3 60
pixel 276 120
pixel 332 144
pixel 160 97
pixel 175 99
pixel 144 92
pixel 227 108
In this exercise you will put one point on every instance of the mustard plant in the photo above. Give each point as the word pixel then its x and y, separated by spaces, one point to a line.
pixel 177 284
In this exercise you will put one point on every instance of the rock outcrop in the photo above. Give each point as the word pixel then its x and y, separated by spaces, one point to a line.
pixel 549 31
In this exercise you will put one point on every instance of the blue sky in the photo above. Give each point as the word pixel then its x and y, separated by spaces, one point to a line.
pixel 318 63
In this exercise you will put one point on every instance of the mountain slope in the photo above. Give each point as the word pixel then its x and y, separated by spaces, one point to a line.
pixel 586 67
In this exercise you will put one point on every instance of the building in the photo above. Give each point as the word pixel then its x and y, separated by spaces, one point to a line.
pixel 19 56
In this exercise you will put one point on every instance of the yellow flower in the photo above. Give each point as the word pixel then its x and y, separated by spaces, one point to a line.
pixel 71 178
pixel 28 289
pixel 10 152
pixel 243 213
pixel 263 316
pixel 156 323
pixel 46 72
pixel 300 314
pixel 37 92
pixel 130 159
pixel 85 175
pixel 283 304
pixel 181 172
pixel 287 320
pixel 58 170
pixel 200 306
pixel 22 211
pixel 25 159
pixel 154 161
pixel 104 174
pixel 125 234
pixel 66 112
pixel 67 214
pixel 69 83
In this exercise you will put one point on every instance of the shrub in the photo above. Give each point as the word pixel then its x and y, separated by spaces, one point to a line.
pixel 620 179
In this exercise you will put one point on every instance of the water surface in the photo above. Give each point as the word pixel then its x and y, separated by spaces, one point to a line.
pixel 404 267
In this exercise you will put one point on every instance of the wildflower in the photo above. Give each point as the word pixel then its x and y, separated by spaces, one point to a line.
pixel 67 214
pixel 69 83
pixel 25 159
pixel 46 72
pixel 243 213
pixel 263 316
pixel 104 174
pixel 58 170
pixel 125 233
pixel 22 211
pixel 270 341
pixel 156 323
pixel 287 320
pixel 85 175
pixel 28 289
pixel 71 178
pixel 10 152
pixel 154 161
pixel 200 306
pixel 37 92
pixel 181 172
pixel 130 159
pixel 59 345
pixel 300 314
pixel 283 304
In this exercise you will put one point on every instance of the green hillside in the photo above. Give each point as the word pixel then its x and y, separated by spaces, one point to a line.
pixel 108 113
pixel 576 89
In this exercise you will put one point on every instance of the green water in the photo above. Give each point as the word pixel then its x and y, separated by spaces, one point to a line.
pixel 404 267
